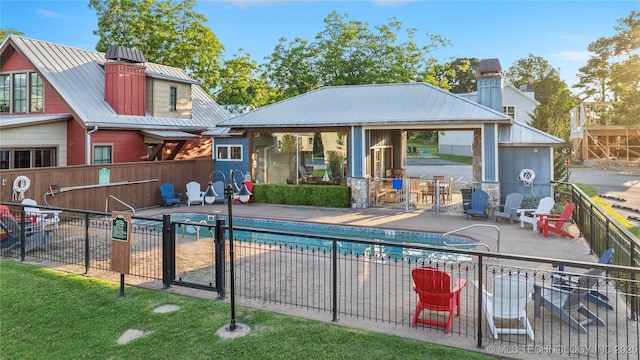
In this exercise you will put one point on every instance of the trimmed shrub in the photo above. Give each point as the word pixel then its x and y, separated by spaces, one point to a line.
pixel 337 196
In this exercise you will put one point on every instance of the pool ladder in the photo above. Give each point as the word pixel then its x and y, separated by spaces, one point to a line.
pixel 469 227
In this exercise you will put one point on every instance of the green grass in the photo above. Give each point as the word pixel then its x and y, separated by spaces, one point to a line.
pixel 46 314
pixel 432 147
pixel 590 191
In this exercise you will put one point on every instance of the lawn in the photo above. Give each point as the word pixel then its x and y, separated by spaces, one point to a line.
pixel 47 314
pixel 432 152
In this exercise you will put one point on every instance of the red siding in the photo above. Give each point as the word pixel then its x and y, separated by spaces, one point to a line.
pixel 53 104
pixel 15 62
pixel 75 143
pixel 128 145
pixel 125 88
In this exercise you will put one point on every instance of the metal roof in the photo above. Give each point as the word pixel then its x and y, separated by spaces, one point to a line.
pixel 78 76
pixel 519 134
pixel 169 134
pixel 9 121
pixel 369 105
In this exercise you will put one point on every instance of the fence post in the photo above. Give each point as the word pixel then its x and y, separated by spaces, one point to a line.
pixel 23 233
pixel 167 255
pixel 87 260
pixel 480 301
pixel 334 273
pixel 219 258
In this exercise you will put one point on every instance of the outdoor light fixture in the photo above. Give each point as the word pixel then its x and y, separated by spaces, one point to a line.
pixel 210 194
pixel 244 194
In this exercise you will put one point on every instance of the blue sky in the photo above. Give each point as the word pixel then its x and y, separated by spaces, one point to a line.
pixel 558 31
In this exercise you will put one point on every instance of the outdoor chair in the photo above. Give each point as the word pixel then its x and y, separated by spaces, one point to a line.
pixel 565 303
pixel 567 281
pixel 508 209
pixel 479 202
pixel 169 196
pixel 529 215
pixel 194 193
pixel 554 223
pixel 41 219
pixel 219 189
pixel 435 294
pixel 304 176
pixel 511 293
pixel 10 237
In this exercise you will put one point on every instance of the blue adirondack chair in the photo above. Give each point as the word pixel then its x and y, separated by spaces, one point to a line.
pixel 479 202
pixel 169 196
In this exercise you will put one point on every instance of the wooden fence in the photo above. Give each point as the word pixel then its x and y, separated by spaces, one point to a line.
pixel 81 187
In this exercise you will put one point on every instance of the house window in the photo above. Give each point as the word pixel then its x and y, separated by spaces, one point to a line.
pixel 28 158
pixel 510 111
pixel 4 159
pixel 5 93
pixel 36 93
pixel 173 98
pixel 102 154
pixel 229 152
pixel 21 93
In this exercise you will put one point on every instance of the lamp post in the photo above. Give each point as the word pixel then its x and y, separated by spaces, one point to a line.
pixel 210 194
pixel 229 194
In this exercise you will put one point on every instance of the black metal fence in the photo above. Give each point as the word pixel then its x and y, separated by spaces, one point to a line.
pixel 601 232
pixel 366 281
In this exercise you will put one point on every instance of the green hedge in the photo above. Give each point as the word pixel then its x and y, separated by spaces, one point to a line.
pixel 337 196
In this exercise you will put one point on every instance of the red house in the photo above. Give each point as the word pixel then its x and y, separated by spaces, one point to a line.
pixel 63 106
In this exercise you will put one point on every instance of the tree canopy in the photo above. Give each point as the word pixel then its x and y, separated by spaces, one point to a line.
pixel 552 115
pixel 8 31
pixel 348 52
pixel 167 32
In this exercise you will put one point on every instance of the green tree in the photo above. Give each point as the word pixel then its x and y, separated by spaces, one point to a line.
pixel 167 32
pixel 593 78
pixel 552 115
pixel 461 75
pixel 240 83
pixel 348 52
pixel 9 31
pixel 624 78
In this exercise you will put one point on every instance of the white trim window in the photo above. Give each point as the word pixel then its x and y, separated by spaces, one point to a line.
pixel 102 154
pixel 21 92
pixel 510 110
pixel 229 152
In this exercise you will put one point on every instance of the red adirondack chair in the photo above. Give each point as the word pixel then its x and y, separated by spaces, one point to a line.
pixel 554 222
pixel 435 294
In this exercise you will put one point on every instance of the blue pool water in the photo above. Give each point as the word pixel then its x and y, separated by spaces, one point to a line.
pixel 299 240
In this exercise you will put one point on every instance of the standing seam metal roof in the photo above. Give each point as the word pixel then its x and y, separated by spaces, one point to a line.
pixel 379 104
pixel 78 76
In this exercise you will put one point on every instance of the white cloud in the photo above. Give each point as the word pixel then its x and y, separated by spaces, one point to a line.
pixel 49 14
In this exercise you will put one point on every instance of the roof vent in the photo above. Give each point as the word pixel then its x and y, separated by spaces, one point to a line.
pixel 526 87
pixel 121 53
pixel 489 66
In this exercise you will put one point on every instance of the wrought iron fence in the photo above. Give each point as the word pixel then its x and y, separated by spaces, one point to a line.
pixel 372 281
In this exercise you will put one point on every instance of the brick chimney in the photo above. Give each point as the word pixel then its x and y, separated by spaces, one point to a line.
pixel 125 80
pixel 490 84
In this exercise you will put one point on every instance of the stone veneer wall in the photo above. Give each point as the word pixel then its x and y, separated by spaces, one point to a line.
pixel 493 189
pixel 359 192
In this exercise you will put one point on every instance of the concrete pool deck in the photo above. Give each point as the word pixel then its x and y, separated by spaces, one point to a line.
pixel 513 239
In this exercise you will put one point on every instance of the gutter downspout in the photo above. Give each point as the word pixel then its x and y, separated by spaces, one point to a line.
pixel 88 145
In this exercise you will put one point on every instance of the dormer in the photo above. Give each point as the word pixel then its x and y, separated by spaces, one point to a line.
pixel 125 80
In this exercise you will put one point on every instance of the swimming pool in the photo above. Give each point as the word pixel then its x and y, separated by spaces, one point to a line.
pixel 300 235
